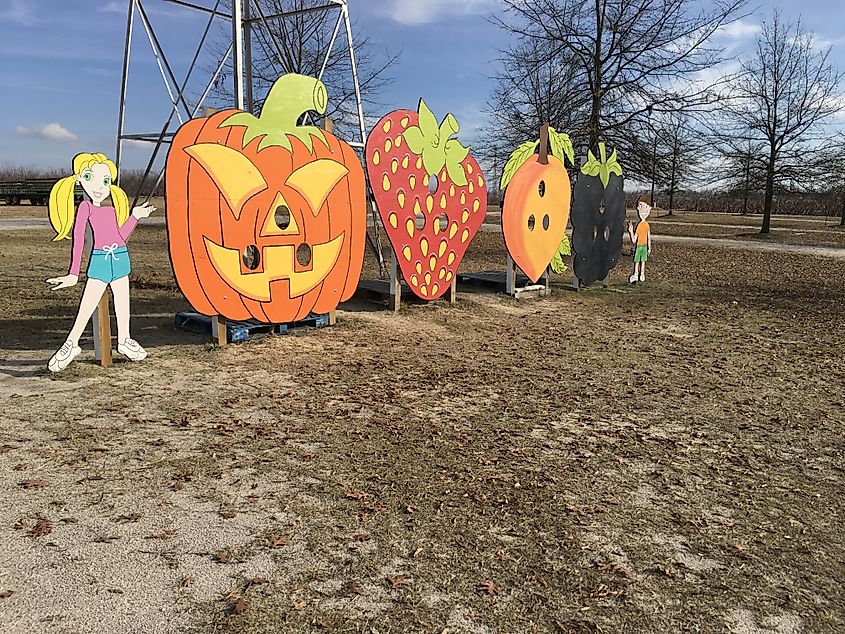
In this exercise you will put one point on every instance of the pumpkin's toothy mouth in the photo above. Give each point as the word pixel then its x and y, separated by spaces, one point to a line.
pixel 279 264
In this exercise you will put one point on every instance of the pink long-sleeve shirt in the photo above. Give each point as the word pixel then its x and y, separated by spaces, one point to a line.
pixel 103 221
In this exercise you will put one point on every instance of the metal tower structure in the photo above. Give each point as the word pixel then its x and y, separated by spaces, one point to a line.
pixel 245 16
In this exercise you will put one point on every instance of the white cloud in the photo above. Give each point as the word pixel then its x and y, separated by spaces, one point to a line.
pixel 416 12
pixel 113 7
pixel 19 11
pixel 739 30
pixel 49 131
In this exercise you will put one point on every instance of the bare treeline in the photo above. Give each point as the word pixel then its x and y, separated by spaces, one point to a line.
pixel 650 79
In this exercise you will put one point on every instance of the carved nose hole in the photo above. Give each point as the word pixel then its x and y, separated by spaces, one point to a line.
pixel 303 254
pixel 531 222
pixel 542 188
pixel 282 217
pixel 251 257
pixel 546 222
pixel 607 234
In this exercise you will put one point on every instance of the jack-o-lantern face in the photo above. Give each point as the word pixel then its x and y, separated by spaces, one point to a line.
pixel 535 214
pixel 266 219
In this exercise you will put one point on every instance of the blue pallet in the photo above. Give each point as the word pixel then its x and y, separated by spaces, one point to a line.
pixel 238 331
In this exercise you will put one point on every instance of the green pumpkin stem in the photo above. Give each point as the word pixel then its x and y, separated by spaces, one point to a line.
pixel 290 97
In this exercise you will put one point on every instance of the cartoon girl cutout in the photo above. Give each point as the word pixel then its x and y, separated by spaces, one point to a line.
pixel 109 261
pixel 641 239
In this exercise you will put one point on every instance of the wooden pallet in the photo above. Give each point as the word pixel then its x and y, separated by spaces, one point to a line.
pixel 509 281
pixel 238 331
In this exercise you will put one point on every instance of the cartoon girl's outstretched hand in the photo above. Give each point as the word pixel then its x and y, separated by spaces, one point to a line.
pixel 143 211
pixel 66 281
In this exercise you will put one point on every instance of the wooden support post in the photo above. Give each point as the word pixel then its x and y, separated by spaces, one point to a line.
pixel 332 317
pixel 453 291
pixel 546 280
pixel 218 330
pixel 510 277
pixel 576 283
pixel 101 324
pixel 606 281
pixel 395 284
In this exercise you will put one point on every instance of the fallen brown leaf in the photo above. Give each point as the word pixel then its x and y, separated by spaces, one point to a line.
pixel 399 582
pixel 238 607
pixel 186 582
pixel 33 484
pixel 115 590
pixel 222 557
pixel 277 541
pixel 106 539
pixel 20 467
pixel 42 527
pixel 488 587
pixel 5 594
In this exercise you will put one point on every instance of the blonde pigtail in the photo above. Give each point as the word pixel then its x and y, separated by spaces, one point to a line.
pixel 61 207
pixel 121 204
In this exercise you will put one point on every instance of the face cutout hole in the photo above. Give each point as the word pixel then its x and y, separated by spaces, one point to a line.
pixel 433 184
pixel 282 217
pixel 303 254
pixel 607 234
pixel 252 257
pixel 443 219
pixel 531 222
pixel 546 221
pixel 541 188
pixel 420 221
pixel 595 234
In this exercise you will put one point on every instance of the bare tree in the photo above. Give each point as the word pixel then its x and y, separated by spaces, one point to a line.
pixel 298 44
pixel 618 62
pixel 787 92
pixel 684 162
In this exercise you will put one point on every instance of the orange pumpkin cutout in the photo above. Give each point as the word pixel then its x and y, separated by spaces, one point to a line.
pixel 266 219
pixel 536 210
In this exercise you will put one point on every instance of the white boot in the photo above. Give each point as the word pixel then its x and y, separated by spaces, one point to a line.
pixel 632 279
pixel 64 355
pixel 132 350
pixel 642 275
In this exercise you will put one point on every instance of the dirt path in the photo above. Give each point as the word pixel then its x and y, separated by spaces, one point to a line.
pixel 747 245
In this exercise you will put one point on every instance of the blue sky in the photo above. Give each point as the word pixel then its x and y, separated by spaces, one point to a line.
pixel 60 63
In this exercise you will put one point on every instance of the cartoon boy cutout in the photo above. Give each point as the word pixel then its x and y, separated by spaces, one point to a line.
pixel 640 239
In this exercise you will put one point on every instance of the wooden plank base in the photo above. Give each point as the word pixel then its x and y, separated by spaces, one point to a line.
pixel 238 331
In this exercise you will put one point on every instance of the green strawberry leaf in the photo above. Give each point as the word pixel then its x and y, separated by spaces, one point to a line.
pixel 565 248
pixel 455 154
pixel 414 138
pixel 517 159
pixel 436 145
pixel 428 124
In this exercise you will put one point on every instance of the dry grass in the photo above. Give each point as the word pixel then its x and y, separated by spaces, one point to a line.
pixel 658 458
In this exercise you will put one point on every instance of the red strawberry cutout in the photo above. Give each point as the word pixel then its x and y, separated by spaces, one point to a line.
pixel 429 229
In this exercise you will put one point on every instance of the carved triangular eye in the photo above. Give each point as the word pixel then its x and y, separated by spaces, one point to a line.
pixel 280 220
pixel 237 178
pixel 316 180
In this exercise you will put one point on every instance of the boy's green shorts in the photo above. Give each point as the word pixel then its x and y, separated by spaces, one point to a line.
pixel 641 254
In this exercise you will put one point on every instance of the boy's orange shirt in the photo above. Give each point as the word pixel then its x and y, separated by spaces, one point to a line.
pixel 643 229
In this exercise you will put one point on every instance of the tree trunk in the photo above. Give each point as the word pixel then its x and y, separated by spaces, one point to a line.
pixel 672 191
pixel 595 110
pixel 842 219
pixel 770 192
pixel 747 184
